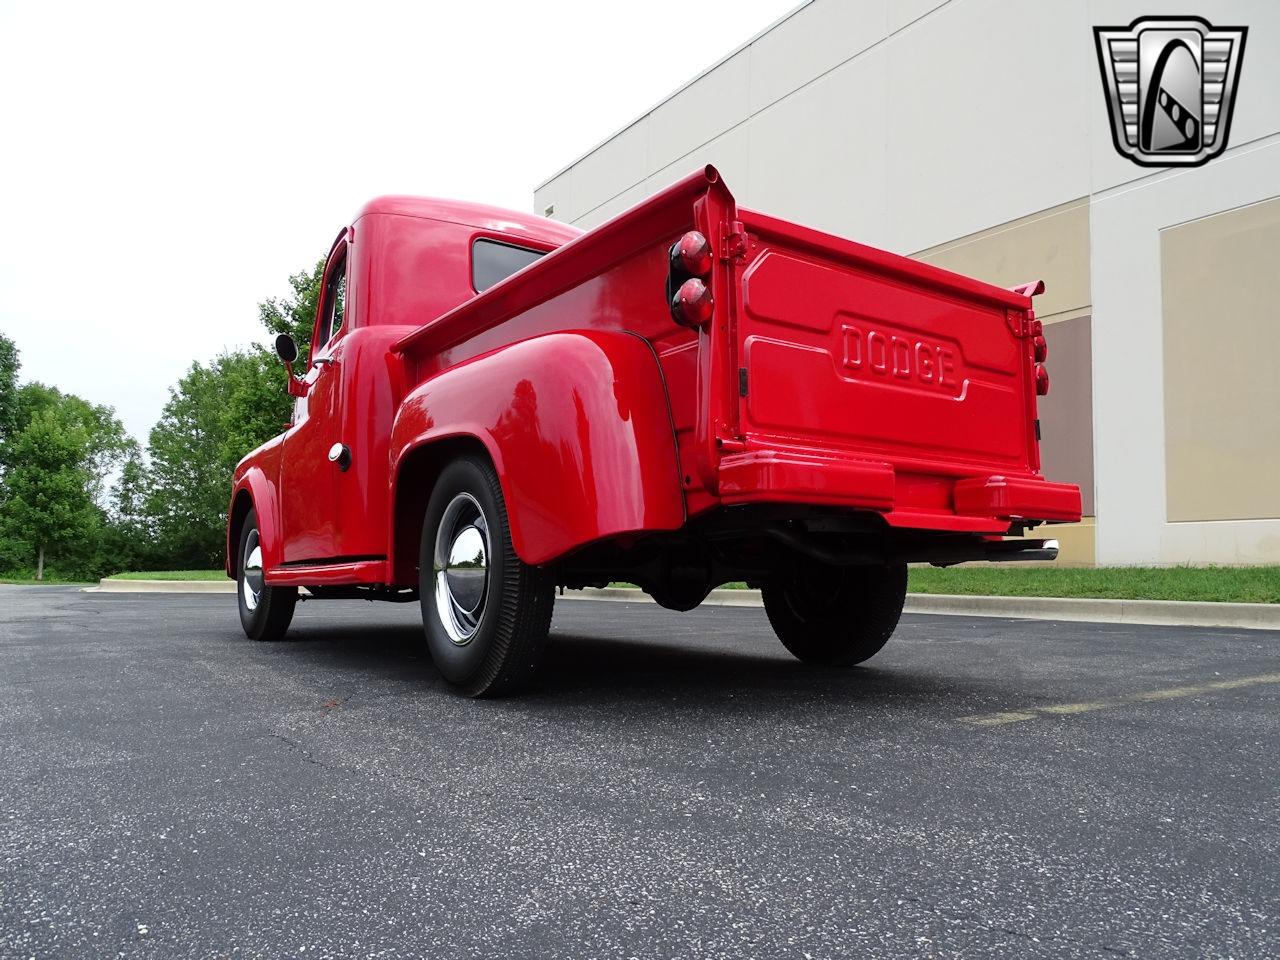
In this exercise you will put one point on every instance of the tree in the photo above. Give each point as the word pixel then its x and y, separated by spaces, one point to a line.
pixel 216 414
pixel 48 503
pixel 128 540
pixel 189 469
pixel 8 388
pixel 57 452
pixel 295 314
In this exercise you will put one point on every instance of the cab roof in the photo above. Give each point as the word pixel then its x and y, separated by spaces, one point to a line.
pixel 478 215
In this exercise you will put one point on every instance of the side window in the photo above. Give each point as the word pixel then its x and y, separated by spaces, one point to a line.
pixel 335 301
pixel 492 261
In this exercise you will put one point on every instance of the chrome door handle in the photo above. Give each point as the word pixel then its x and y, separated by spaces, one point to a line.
pixel 322 361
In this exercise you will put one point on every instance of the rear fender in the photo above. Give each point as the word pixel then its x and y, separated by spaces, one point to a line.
pixel 577 426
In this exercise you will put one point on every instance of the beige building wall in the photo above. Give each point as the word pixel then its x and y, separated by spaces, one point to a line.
pixel 1052 245
pixel 1221 353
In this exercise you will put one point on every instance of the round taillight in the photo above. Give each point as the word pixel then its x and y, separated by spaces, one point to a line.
pixel 692 304
pixel 1041 347
pixel 691 255
pixel 1042 380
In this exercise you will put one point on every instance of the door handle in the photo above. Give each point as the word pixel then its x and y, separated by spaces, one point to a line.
pixel 322 361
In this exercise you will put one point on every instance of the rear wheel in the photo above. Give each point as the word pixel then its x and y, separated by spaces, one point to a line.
pixel 486 613
pixel 836 616
pixel 265 612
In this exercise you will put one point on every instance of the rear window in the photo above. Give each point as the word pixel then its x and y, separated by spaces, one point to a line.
pixel 492 261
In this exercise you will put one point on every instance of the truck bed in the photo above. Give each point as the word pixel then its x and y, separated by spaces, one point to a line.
pixel 831 373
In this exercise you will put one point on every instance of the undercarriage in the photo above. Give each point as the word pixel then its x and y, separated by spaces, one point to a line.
pixel 759 543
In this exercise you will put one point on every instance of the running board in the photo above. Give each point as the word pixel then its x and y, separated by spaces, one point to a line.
pixel 327 574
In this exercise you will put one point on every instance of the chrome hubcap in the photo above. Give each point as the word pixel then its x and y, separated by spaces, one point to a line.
pixel 251 565
pixel 461 568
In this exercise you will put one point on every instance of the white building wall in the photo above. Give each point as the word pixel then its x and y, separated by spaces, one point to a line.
pixel 909 124
pixel 1129 429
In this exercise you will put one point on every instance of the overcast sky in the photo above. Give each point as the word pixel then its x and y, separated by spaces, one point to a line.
pixel 167 166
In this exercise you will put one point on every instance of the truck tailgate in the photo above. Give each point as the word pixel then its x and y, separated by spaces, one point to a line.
pixel 843 346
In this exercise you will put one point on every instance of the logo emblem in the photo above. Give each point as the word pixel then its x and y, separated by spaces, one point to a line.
pixel 1170 84
pixel 901 357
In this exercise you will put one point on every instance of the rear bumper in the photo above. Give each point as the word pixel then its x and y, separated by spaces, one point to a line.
pixel 978 504
pixel 1018 498
pixel 763 475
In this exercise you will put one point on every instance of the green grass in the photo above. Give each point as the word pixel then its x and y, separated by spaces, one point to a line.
pixel 51 580
pixel 1234 584
pixel 1230 584
pixel 171 575
pixel 1223 584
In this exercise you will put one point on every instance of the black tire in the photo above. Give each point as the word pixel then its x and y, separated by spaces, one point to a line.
pixel 836 616
pixel 265 614
pixel 485 612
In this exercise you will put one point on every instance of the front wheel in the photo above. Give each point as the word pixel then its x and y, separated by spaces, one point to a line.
pixel 836 616
pixel 486 613
pixel 265 612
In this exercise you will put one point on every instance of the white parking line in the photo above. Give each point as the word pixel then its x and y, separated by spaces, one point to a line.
pixel 1145 696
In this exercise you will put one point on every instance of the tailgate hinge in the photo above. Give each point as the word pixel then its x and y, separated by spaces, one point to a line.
pixel 733 240
pixel 1024 325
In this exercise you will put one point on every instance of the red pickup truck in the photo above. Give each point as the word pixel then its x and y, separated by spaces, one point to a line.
pixel 496 404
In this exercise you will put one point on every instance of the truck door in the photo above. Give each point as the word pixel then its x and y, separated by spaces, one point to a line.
pixel 309 502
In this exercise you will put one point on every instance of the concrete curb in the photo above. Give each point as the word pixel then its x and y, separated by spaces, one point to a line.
pixel 1242 616
pixel 1181 613
pixel 111 585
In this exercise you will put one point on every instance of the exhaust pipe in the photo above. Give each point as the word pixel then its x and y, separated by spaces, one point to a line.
pixel 994 551
pixel 943 554
pixel 1003 551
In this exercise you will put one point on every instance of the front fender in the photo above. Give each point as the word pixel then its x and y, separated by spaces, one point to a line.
pixel 578 428
pixel 255 477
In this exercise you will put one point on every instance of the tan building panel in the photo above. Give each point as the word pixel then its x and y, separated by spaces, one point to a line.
pixel 1221 341
pixel 1052 245
pixel 1066 414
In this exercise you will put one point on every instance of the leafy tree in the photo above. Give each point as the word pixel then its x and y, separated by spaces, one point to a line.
pixel 8 388
pixel 189 470
pixel 106 442
pixel 13 552
pixel 216 414
pixel 57 452
pixel 48 503
pixel 128 541
pixel 295 314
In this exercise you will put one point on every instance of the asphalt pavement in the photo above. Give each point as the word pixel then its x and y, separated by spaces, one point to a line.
pixel 674 785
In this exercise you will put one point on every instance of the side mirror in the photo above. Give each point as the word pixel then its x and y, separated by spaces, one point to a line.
pixel 286 349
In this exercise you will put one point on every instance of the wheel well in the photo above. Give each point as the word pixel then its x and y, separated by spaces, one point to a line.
pixel 415 479
pixel 240 508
